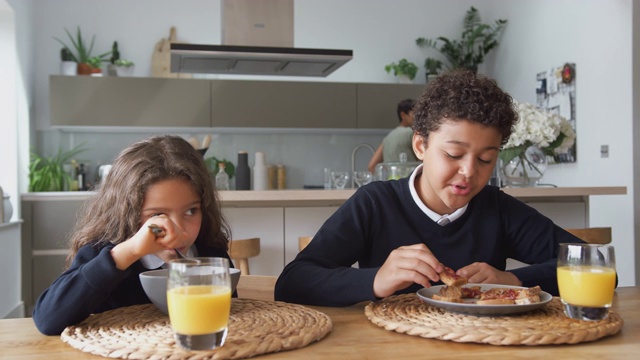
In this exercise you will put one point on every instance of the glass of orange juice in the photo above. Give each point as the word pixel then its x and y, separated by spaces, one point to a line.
pixel 586 280
pixel 199 301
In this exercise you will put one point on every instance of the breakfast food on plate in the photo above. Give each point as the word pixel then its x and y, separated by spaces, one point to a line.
pixel 450 278
pixel 453 291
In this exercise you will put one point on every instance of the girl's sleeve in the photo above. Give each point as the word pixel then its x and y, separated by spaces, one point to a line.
pixel 79 291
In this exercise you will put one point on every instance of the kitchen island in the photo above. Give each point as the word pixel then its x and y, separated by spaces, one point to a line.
pixel 277 217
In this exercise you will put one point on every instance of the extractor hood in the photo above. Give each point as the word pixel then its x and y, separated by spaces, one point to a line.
pixel 256 60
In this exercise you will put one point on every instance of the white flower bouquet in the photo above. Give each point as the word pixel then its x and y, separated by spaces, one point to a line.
pixel 550 132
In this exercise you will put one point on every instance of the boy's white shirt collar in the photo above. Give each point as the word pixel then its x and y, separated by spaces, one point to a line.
pixel 430 213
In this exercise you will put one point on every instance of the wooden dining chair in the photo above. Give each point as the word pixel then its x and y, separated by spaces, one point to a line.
pixel 303 241
pixel 241 250
pixel 594 235
pixel 257 287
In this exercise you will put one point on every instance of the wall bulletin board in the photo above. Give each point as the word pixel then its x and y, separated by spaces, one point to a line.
pixel 556 92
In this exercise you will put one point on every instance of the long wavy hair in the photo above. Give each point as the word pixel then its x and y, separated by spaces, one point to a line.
pixel 113 215
pixel 463 95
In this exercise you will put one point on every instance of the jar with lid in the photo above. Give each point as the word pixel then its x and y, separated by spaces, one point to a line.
pixel 222 179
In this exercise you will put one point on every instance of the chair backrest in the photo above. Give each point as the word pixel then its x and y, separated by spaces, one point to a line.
pixel 241 250
pixel 257 287
pixel 303 241
pixel 595 235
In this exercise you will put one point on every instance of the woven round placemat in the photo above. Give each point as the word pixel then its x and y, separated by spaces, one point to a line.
pixel 547 325
pixel 143 332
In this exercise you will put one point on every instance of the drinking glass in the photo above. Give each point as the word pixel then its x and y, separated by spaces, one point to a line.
pixel 340 179
pixel 362 177
pixel 586 280
pixel 199 301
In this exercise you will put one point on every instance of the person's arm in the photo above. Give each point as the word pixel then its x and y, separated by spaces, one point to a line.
pixel 79 291
pixel 375 159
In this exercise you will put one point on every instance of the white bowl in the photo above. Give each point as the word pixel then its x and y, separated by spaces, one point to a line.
pixel 154 283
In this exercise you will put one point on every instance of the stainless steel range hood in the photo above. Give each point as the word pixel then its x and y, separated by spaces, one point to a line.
pixel 256 60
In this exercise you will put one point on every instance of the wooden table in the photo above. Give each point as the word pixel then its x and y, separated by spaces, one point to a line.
pixel 354 337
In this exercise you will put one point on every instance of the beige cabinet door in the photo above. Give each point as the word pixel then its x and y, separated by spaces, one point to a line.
pixel 283 104
pixel 377 103
pixel 131 101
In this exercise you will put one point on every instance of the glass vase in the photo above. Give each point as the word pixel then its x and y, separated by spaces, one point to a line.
pixel 526 169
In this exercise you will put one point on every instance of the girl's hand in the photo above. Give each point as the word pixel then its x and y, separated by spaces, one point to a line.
pixel 145 242
pixel 483 273
pixel 404 266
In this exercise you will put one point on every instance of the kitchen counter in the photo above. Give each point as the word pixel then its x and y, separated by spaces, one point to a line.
pixel 304 198
pixel 277 217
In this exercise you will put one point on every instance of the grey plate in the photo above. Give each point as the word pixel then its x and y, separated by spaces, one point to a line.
pixel 470 307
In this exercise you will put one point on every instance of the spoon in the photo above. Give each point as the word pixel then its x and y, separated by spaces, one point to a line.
pixel 158 231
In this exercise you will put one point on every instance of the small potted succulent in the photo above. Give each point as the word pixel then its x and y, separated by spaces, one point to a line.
pixel 432 67
pixel 67 65
pixel 83 52
pixel 403 68
pixel 118 66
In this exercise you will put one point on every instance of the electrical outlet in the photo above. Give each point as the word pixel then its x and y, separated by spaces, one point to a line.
pixel 604 151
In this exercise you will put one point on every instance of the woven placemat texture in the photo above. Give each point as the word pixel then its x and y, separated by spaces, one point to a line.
pixel 143 332
pixel 547 325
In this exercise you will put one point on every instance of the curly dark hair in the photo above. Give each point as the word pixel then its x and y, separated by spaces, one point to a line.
pixel 113 214
pixel 463 95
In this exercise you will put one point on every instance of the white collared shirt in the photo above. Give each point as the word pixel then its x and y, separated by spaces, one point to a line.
pixel 430 213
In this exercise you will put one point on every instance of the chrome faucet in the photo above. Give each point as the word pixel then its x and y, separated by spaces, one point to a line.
pixel 353 159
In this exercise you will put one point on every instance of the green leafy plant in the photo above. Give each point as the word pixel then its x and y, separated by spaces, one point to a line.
pixel 83 52
pixel 95 62
pixel 212 165
pixel 47 173
pixel 403 67
pixel 476 41
pixel 432 66
pixel 124 62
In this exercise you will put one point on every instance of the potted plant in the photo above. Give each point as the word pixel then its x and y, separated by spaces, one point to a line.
pixel 83 52
pixel 124 67
pixel 403 68
pixel 476 41
pixel 67 65
pixel 432 67
pixel 47 173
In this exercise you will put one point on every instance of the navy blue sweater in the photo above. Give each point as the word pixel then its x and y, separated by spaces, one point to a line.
pixel 383 216
pixel 93 284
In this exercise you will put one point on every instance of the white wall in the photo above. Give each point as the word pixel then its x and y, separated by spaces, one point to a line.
pixel 595 34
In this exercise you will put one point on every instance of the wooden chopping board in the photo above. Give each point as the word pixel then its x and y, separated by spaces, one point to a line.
pixel 161 58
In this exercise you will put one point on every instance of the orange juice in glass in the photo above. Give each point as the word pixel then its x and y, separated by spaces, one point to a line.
pixel 199 301
pixel 586 280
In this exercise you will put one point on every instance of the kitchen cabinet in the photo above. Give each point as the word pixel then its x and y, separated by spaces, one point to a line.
pixel 129 101
pixel 47 226
pixel 377 103
pixel 11 304
pixel 283 104
pixel 163 102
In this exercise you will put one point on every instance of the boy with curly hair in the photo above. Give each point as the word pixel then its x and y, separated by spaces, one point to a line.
pixel 401 232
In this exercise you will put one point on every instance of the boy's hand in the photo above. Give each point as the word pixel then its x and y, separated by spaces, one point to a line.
pixel 483 273
pixel 404 266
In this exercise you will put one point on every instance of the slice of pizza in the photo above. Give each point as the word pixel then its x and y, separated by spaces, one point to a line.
pixel 449 294
pixel 471 292
pixel 450 278
pixel 507 296
pixel 528 296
